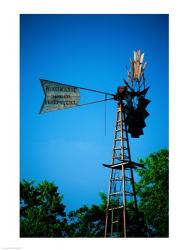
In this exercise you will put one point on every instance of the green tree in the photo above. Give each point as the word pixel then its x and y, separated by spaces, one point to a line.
pixel 41 210
pixel 88 222
pixel 42 213
pixel 154 194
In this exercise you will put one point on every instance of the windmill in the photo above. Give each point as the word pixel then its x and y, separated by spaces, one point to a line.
pixel 130 119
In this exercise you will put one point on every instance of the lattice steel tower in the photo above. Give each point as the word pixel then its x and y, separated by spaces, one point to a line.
pixel 121 184
pixel 122 214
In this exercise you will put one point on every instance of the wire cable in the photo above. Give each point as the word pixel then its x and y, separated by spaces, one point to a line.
pixel 105 113
pixel 88 103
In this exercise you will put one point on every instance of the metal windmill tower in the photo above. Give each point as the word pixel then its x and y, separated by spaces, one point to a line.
pixel 130 115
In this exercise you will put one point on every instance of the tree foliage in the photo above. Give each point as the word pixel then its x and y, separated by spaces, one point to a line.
pixel 154 194
pixel 42 213
pixel 88 222
pixel 41 210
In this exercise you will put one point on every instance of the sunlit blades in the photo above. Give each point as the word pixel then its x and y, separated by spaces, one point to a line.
pixel 137 67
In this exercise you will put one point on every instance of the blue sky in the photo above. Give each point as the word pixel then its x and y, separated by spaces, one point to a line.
pixel 69 146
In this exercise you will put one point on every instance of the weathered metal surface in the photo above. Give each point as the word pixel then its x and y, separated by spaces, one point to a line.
pixel 136 71
pixel 59 96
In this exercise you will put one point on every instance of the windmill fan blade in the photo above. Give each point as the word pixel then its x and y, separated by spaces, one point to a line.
pixel 138 55
pixel 145 114
pixel 144 92
pixel 141 58
pixel 145 65
pixel 139 72
pixel 135 133
pixel 135 56
pixel 143 102
pixel 128 85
